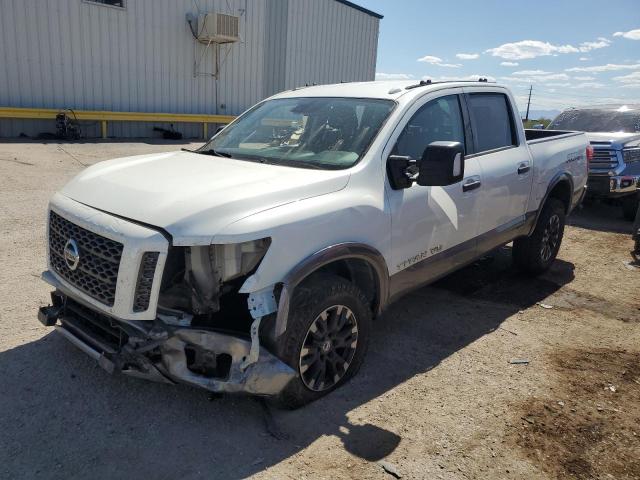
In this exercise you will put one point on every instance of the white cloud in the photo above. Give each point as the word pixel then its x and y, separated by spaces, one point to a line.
pixel 584 79
pixel 535 48
pixel 629 81
pixel 430 59
pixel 589 85
pixel 631 78
pixel 609 67
pixel 393 76
pixel 467 56
pixel 553 76
pixel 631 34
pixel 529 49
pixel 438 62
pixel 531 72
pixel 468 78
pixel 536 76
pixel 584 59
pixel 509 64
pixel 562 102
pixel 600 43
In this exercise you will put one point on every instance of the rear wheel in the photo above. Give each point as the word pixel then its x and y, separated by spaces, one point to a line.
pixel 326 338
pixel 536 253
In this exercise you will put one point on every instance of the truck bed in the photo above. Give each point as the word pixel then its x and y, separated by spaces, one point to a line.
pixel 556 152
pixel 534 135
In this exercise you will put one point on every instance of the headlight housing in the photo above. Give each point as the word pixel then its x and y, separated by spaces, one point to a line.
pixel 630 155
pixel 233 260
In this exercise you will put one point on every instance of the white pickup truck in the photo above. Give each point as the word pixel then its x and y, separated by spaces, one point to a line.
pixel 257 263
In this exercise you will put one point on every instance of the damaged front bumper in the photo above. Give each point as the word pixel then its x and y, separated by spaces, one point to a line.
pixel 167 352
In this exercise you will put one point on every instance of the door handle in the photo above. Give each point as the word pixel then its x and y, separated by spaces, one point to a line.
pixel 523 168
pixel 471 184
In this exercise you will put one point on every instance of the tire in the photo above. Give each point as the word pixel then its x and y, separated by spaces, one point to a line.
pixel 323 301
pixel 630 207
pixel 535 254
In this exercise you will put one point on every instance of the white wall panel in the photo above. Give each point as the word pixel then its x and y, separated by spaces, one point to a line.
pixel 80 55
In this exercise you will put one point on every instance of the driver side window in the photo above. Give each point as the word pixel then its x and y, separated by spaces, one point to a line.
pixel 437 120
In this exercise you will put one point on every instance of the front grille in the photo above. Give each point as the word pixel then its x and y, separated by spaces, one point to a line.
pixel 97 271
pixel 99 331
pixel 145 281
pixel 603 159
pixel 631 155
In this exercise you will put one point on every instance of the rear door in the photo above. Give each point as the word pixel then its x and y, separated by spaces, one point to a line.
pixel 503 158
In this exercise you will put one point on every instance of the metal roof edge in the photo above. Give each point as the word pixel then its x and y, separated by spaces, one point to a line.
pixel 362 9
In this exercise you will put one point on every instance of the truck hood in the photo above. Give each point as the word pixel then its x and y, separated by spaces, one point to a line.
pixel 194 196
pixel 619 138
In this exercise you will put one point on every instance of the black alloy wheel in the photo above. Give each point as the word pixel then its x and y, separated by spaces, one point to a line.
pixel 328 348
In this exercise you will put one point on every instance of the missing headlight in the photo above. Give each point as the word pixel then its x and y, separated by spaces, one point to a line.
pixel 205 281
pixel 230 261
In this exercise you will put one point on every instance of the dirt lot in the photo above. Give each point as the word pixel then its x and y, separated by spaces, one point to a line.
pixel 437 397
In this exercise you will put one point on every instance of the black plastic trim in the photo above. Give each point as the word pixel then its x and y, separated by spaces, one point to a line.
pixel 333 253
pixel 558 177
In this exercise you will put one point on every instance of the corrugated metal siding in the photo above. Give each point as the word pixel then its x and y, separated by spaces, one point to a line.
pixel 75 54
pixel 329 42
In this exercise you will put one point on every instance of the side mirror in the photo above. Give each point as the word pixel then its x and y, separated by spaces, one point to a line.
pixel 442 164
pixel 399 172
pixel 219 129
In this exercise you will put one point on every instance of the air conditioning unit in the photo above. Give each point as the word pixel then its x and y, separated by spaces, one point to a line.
pixel 218 28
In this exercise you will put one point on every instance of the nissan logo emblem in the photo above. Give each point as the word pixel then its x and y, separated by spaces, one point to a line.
pixel 71 254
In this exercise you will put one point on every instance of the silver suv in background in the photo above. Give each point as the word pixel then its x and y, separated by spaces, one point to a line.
pixel 614 133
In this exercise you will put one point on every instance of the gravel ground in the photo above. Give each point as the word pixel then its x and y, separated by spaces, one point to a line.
pixel 436 398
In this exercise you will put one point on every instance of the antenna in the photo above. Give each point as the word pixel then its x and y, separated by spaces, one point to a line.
pixel 528 103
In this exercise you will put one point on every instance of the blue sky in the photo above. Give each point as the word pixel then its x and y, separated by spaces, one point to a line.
pixel 573 52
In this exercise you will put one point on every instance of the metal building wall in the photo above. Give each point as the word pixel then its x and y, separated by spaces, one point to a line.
pixel 343 46
pixel 81 55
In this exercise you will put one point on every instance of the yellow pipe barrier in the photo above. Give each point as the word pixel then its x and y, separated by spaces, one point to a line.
pixel 105 116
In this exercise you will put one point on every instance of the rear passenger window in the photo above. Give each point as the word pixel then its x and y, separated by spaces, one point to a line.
pixel 492 121
pixel 438 120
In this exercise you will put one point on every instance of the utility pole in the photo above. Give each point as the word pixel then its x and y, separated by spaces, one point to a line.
pixel 528 103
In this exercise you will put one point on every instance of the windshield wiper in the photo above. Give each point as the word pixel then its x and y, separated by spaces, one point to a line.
pixel 212 151
pixel 217 153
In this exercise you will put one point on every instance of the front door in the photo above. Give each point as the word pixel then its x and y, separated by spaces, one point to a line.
pixel 433 228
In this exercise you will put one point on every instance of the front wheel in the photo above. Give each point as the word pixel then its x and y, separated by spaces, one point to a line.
pixel 536 253
pixel 326 338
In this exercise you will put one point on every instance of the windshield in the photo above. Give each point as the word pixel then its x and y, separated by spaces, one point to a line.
pixel 326 133
pixel 623 119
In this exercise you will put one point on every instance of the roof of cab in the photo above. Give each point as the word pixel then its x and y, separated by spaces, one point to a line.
pixel 388 89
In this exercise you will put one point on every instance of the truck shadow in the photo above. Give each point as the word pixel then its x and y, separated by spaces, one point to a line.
pixel 61 416
pixel 601 217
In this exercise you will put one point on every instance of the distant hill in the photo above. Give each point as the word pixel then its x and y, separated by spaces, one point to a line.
pixel 541 113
